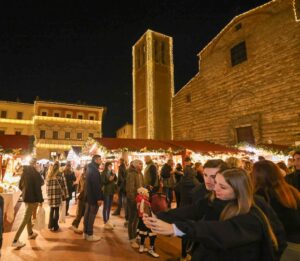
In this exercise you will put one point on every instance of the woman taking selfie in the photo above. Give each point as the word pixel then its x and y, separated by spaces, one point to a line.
pixel 227 226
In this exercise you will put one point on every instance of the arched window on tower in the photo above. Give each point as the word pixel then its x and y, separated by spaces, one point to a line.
pixel 297 9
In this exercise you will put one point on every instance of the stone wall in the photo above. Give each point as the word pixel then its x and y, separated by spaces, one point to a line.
pixel 262 92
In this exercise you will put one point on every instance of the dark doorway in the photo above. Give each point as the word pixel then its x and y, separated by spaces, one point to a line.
pixel 245 134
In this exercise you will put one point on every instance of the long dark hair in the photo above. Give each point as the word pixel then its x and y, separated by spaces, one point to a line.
pixel 107 164
pixel 267 177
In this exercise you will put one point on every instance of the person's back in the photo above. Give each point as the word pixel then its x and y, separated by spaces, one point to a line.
pixel 289 217
pixel 188 183
pixel 30 185
pixel 93 184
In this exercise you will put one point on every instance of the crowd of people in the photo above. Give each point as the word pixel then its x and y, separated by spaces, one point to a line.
pixel 224 210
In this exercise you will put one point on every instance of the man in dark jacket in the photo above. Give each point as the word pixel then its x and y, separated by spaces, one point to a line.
pixel 210 170
pixel 121 187
pixel 94 197
pixel 151 175
pixel 30 184
pixel 294 178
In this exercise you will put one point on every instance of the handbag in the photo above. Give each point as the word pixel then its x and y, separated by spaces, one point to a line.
pixel 158 202
pixel 62 212
pixel 40 222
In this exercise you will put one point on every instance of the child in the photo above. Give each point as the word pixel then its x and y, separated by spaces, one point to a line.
pixel 143 206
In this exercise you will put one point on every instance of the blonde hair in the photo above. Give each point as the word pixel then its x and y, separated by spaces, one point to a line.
pixel 53 171
pixel 242 187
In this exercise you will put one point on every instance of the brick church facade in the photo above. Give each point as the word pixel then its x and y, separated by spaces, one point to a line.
pixel 248 84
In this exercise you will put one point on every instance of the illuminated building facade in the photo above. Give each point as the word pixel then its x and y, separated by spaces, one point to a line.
pixel 153 86
pixel 56 126
pixel 125 132
pixel 16 118
pixel 248 85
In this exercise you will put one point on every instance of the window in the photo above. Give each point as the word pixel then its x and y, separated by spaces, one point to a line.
pixel 188 98
pixel 143 54
pixel 80 116
pixel 68 115
pixel 19 115
pixel 42 134
pixel 79 136
pixel 238 26
pixel 163 53
pixel 92 118
pixel 245 134
pixel 67 135
pixel 156 51
pixel 3 114
pixel 2 132
pixel 44 113
pixel 55 135
pixel 56 114
pixel 297 9
pixel 238 53
pixel 138 57
pixel 91 135
pixel 18 133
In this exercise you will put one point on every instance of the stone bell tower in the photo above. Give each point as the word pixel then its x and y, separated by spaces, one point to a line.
pixel 153 86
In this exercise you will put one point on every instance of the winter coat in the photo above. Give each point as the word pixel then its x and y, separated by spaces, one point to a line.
pixel 30 184
pixel 167 177
pixel 186 186
pixel 57 190
pixel 290 218
pixel 81 187
pixel 109 186
pixel 243 237
pixel 294 179
pixel 70 179
pixel 151 175
pixel 93 184
pixel 122 173
pixel 143 205
pixel 134 181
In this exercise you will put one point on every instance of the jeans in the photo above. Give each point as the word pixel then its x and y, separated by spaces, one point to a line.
pixel 89 218
pixel 67 204
pixel 132 218
pixel 26 220
pixel 169 194
pixel 79 213
pixel 125 207
pixel 53 218
pixel 107 207
pixel 120 201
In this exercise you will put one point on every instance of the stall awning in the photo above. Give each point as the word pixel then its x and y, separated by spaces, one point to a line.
pixel 169 145
pixel 136 144
pixel 13 142
pixel 203 146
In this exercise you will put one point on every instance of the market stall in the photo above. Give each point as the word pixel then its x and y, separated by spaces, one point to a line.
pixel 130 149
pixel 201 151
pixel 160 151
pixel 14 153
pixel 273 152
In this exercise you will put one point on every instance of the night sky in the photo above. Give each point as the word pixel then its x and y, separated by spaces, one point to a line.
pixel 80 51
